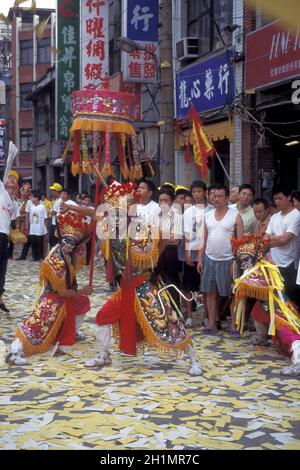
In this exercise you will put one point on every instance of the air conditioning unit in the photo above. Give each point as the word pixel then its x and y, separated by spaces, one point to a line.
pixel 187 48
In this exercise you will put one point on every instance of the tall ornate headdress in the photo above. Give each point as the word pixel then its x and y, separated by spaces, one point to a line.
pixel 72 224
pixel 121 195
pixel 252 245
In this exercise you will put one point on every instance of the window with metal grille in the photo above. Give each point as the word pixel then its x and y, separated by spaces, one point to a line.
pixel 26 140
pixel 26 52
pixel 202 18
pixel 25 89
pixel 43 51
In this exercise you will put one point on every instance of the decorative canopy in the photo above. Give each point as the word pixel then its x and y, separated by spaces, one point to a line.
pixel 103 110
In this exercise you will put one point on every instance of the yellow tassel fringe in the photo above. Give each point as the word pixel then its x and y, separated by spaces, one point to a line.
pixel 95 125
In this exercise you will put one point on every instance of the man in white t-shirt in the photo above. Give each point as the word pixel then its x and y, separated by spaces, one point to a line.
pixel 284 229
pixel 7 214
pixel 37 225
pixel 147 212
pixel 215 256
pixel 193 218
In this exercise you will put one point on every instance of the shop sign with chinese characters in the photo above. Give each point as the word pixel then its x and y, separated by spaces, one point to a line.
pixel 208 85
pixel 272 55
pixel 94 40
pixel 140 24
pixel 67 63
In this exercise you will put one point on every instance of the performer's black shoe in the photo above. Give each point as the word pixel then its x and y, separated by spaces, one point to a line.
pixel 2 307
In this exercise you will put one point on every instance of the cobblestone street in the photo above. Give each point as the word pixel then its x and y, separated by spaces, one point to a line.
pixel 150 402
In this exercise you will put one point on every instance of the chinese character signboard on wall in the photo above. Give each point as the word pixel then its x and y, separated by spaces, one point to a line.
pixel 140 24
pixel 208 85
pixel 272 55
pixel 67 63
pixel 94 40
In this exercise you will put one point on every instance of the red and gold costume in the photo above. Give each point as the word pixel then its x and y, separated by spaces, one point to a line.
pixel 141 315
pixel 54 316
pixel 262 280
pixel 135 310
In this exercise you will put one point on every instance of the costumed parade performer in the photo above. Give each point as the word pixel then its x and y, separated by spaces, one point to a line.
pixel 274 314
pixel 60 307
pixel 142 312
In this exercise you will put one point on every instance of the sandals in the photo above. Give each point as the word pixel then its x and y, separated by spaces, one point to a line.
pixel 234 333
pixel 209 331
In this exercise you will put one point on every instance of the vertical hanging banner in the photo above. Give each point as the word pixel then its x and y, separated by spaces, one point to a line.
pixel 94 41
pixel 68 39
pixel 140 24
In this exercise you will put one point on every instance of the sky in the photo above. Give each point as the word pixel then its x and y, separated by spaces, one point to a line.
pixel 5 5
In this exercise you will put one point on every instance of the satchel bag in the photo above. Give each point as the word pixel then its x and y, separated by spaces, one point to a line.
pixel 17 237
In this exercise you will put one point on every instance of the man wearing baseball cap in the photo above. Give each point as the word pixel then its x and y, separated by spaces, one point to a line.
pixel 56 189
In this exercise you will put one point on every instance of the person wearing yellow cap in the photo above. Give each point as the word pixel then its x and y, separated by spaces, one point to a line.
pixel 180 193
pixel 167 185
pixel 13 175
pixel 56 189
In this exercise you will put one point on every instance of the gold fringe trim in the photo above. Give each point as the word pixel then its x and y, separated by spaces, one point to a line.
pixel 141 345
pixel 246 290
pixel 95 125
pixel 145 261
pixel 41 348
pixel 152 340
pixel 47 273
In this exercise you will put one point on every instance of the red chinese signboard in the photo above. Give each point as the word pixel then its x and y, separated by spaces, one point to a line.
pixel 141 66
pixel 272 55
pixel 140 25
pixel 94 41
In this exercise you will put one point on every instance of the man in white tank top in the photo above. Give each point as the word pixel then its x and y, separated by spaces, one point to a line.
pixel 215 256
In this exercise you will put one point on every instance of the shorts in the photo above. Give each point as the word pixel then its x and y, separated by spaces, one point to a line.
pixel 216 276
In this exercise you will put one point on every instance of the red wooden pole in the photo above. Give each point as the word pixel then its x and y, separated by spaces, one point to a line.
pixel 94 223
